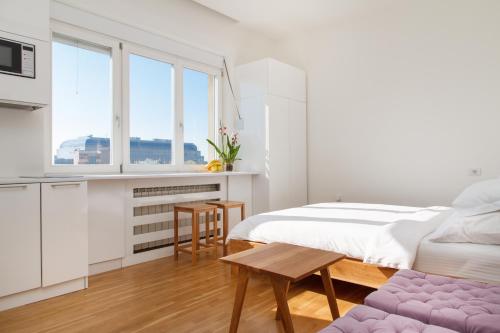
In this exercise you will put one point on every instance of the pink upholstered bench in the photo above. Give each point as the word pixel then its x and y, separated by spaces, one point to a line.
pixel 461 305
pixel 364 319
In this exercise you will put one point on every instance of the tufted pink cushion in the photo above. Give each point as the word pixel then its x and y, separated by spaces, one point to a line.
pixel 363 319
pixel 460 305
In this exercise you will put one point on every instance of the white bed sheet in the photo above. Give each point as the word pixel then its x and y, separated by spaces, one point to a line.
pixel 380 234
pixel 465 260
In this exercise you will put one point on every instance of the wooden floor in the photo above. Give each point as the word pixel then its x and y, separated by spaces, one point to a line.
pixel 169 296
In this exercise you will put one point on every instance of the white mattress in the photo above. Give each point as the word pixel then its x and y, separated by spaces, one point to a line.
pixel 379 234
pixel 470 261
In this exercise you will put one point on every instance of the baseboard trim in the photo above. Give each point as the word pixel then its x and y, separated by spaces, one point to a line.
pixel 141 257
pixel 105 266
pixel 39 294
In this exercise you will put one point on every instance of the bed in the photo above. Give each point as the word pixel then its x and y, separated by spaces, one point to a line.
pixel 478 262
pixel 378 240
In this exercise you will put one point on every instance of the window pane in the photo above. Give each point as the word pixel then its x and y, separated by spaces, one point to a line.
pixel 82 103
pixel 151 111
pixel 196 116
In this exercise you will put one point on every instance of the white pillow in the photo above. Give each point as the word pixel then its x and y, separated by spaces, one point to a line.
pixel 479 229
pixel 479 198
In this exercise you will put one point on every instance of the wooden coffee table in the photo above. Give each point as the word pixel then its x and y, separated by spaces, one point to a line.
pixel 284 264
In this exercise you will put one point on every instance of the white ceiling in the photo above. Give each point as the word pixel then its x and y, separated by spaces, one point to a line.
pixel 278 18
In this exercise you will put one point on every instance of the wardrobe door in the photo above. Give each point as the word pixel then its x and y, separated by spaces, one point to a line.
pixel 278 152
pixel 297 126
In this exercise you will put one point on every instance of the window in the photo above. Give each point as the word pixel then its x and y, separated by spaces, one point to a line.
pixel 82 107
pixel 120 106
pixel 198 123
pixel 151 110
pixel 169 111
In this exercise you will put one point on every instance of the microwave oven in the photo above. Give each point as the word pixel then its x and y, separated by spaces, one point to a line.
pixel 17 58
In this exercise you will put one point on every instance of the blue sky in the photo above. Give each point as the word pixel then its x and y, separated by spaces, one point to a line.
pixel 82 97
pixel 81 94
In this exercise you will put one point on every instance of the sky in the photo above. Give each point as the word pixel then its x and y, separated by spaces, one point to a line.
pixel 82 97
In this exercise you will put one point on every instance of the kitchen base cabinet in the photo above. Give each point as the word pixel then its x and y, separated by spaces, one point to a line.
pixel 64 232
pixel 43 241
pixel 19 238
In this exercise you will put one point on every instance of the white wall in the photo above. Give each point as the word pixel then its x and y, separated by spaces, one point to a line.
pixel 402 101
pixel 21 142
pixel 188 22
pixel 22 134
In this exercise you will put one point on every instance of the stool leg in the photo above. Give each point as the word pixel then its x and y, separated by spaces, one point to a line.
pixel 197 231
pixel 216 238
pixel 207 228
pixel 225 229
pixel 176 234
pixel 194 238
pixel 242 212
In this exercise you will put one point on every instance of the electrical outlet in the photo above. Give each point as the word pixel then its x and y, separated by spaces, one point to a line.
pixel 475 172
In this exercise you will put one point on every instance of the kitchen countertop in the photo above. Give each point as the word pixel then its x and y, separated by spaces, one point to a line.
pixel 57 178
pixel 167 175
pixel 34 180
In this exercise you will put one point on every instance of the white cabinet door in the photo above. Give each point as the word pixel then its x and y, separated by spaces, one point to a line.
pixel 19 238
pixel 26 18
pixel 297 123
pixel 64 232
pixel 106 220
pixel 278 153
pixel 286 81
pixel 239 189
pixel 31 91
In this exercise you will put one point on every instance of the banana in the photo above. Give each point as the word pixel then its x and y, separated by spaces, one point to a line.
pixel 214 166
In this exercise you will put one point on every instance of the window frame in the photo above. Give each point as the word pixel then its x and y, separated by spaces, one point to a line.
pixel 63 31
pixel 120 156
pixel 127 50
pixel 214 113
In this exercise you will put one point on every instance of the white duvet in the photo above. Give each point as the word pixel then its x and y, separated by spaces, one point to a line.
pixel 379 234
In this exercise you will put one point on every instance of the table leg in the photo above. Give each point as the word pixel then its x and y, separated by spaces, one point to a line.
pixel 330 292
pixel 278 314
pixel 225 229
pixel 279 286
pixel 241 290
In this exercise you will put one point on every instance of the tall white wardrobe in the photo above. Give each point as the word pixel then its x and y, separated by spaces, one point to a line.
pixel 273 137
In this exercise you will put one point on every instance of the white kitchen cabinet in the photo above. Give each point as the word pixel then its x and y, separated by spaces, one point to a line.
pixel 106 220
pixel 274 138
pixel 28 18
pixel 18 90
pixel 64 232
pixel 19 238
pixel 27 21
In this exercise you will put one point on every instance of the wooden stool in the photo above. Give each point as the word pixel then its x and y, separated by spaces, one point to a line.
pixel 194 248
pixel 225 205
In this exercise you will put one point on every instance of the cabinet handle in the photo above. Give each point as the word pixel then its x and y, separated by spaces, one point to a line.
pixel 65 185
pixel 13 186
